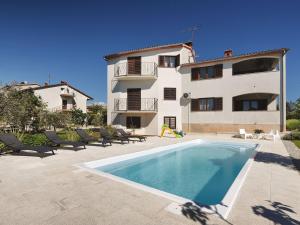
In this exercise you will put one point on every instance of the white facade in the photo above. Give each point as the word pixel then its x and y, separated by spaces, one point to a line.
pixel 152 87
pixel 269 85
pixel 56 95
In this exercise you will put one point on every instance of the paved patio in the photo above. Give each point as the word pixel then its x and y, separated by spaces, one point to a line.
pixel 53 191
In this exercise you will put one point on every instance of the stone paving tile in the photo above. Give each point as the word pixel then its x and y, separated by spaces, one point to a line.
pixel 53 191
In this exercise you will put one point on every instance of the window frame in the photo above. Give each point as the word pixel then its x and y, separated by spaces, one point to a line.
pixel 172 98
pixel 162 60
pixel 140 122
pixel 170 117
pixel 216 101
pixel 217 72
pixel 250 103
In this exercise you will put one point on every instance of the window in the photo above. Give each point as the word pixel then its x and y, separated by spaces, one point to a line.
pixel 207 104
pixel 170 93
pixel 169 61
pixel 133 122
pixel 250 105
pixel 64 104
pixel 209 72
pixel 170 121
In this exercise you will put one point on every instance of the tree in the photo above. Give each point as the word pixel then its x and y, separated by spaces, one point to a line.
pixel 78 117
pixel 19 109
pixel 97 115
pixel 49 120
pixel 293 109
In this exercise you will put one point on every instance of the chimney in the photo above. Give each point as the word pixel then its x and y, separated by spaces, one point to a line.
pixel 228 53
pixel 63 82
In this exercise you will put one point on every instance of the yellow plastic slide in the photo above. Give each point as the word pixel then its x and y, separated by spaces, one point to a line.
pixel 164 129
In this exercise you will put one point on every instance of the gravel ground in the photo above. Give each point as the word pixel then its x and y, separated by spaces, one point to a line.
pixel 294 152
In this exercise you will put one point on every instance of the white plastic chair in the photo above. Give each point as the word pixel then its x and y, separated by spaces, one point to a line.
pixel 245 134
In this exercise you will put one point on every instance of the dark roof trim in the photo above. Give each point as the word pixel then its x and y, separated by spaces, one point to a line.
pixel 62 84
pixel 246 55
pixel 188 45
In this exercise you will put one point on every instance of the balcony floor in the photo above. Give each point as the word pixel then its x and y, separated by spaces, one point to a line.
pixel 136 77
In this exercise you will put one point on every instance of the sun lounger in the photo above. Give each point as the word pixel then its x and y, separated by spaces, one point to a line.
pixel 271 135
pixel 128 135
pixel 85 137
pixel 55 139
pixel 109 138
pixel 17 146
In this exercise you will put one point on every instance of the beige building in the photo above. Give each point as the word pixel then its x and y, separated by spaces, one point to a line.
pixel 58 97
pixel 160 85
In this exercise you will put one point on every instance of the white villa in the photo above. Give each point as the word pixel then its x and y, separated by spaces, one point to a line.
pixel 159 85
pixel 58 97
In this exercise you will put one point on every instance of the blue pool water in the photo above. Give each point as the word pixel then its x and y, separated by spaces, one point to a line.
pixel 200 172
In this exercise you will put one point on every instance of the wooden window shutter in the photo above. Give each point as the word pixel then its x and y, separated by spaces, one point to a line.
pixel 219 70
pixel 218 104
pixel 134 65
pixel 177 60
pixel 161 61
pixel 170 93
pixel 195 105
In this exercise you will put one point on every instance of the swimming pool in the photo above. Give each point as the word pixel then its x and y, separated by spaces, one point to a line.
pixel 201 171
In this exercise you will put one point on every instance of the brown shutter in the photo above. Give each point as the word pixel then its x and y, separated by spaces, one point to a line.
pixel 195 105
pixel 219 70
pixel 218 104
pixel 161 61
pixel 177 60
pixel 170 93
pixel 134 65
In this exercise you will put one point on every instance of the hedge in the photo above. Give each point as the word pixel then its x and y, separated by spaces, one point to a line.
pixel 293 124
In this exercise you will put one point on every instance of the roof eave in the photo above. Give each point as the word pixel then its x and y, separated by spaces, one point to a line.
pixel 281 50
pixel 120 54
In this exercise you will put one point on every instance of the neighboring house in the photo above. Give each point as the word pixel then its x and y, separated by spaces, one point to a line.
pixel 59 97
pixel 149 87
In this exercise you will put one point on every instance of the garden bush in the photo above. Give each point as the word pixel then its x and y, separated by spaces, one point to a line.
pixel 69 135
pixel 295 135
pixel 34 139
pixel 293 124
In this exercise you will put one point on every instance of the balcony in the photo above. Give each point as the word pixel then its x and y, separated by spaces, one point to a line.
pixel 67 94
pixel 142 105
pixel 143 71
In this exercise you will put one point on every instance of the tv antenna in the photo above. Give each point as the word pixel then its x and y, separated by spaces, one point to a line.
pixel 49 78
pixel 192 30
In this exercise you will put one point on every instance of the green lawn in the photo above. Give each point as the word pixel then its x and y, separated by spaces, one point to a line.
pixel 297 143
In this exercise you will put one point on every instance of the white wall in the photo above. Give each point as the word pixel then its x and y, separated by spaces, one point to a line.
pixel 51 96
pixel 228 87
pixel 167 77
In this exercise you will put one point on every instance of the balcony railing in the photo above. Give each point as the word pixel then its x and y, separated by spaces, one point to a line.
pixel 139 105
pixel 145 69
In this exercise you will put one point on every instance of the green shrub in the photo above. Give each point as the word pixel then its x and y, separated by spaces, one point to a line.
pixel 93 133
pixel 258 131
pixel 111 130
pixel 2 147
pixel 295 135
pixel 35 139
pixel 293 124
pixel 69 135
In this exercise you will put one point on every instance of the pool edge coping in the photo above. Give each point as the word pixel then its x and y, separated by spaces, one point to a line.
pixel 222 210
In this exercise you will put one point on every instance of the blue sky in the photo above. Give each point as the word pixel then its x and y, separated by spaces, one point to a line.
pixel 68 39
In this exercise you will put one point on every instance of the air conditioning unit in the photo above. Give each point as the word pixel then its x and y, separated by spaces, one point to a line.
pixel 187 95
